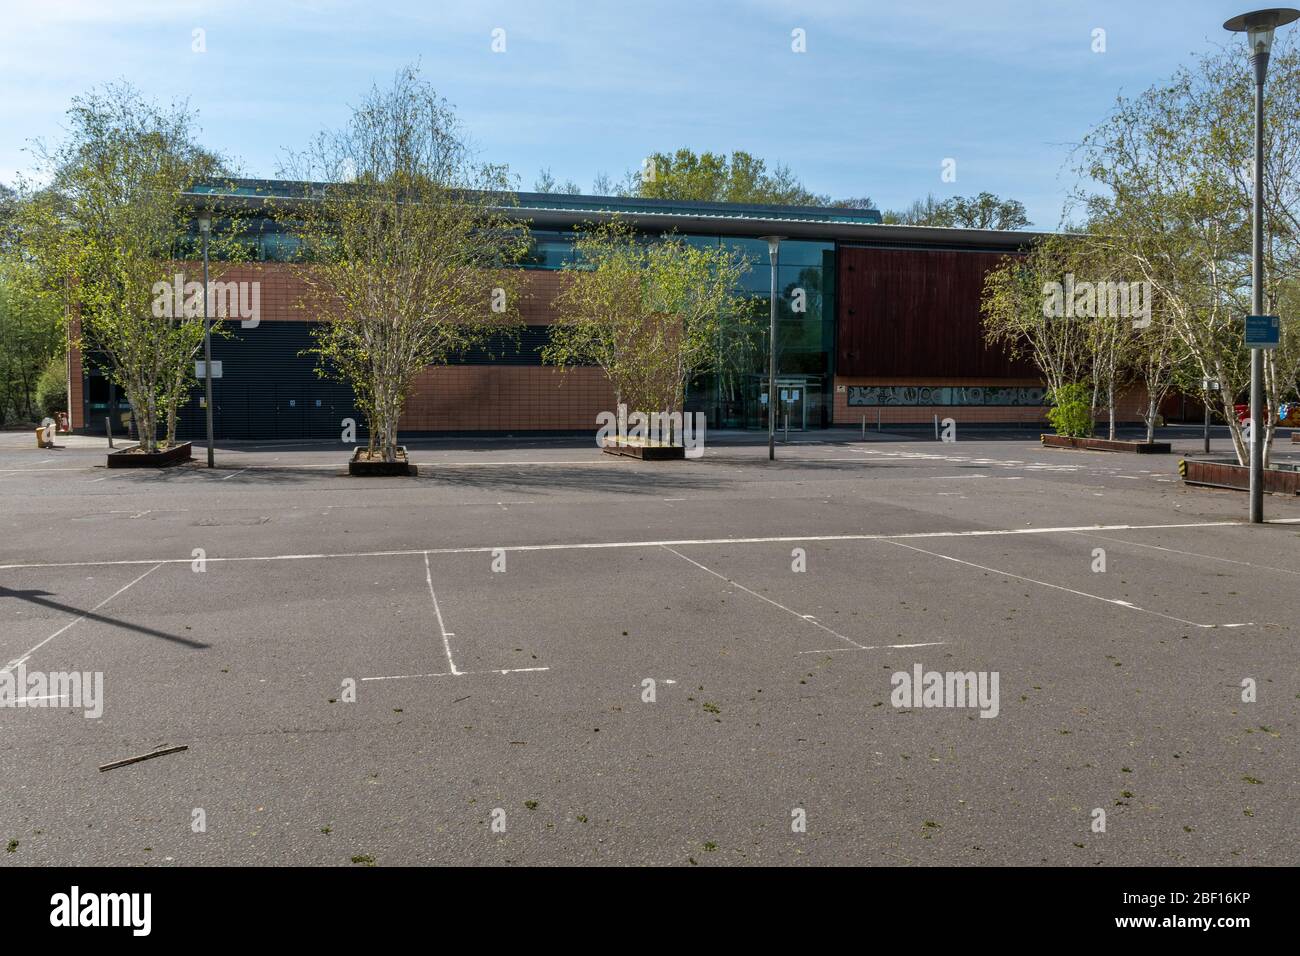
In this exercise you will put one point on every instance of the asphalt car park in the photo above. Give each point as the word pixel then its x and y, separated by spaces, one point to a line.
pixel 536 653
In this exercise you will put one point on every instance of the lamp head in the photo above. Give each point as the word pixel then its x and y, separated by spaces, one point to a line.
pixel 1260 25
pixel 773 245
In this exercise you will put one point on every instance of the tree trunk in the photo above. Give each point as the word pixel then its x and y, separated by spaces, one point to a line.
pixel 1234 429
pixel 1110 408
pixel 145 428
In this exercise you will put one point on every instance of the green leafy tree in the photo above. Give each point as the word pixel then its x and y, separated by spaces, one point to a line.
pixel 985 211
pixel 1127 347
pixel 109 226
pixel 855 202
pixel 922 212
pixel 9 201
pixel 1070 410
pixel 1016 318
pixel 407 248
pixel 31 335
pixel 649 314
pixel 1170 173
pixel 545 182
pixel 716 177
pixel 52 387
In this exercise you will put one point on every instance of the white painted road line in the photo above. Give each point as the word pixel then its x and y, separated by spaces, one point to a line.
pixel 446 635
pixel 19 660
pixel 678 542
pixel 877 647
pixel 806 618
pixel 1127 605
pixel 1190 554
pixel 613 460
pixel 8 471
pixel 499 670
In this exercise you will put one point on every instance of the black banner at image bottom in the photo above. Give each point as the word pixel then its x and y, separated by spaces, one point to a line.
pixel 329 905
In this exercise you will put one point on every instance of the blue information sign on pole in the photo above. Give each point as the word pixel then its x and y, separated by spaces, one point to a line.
pixel 1262 331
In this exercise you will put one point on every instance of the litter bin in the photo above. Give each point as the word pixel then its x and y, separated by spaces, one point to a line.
pixel 45 434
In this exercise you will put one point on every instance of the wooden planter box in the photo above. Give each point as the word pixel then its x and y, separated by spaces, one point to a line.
pixel 645 452
pixel 1105 444
pixel 1224 474
pixel 130 458
pixel 360 465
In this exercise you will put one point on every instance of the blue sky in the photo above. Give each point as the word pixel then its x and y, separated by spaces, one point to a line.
pixel 883 94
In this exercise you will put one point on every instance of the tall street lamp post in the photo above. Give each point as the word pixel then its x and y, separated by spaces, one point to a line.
pixel 773 254
pixel 1258 27
pixel 205 227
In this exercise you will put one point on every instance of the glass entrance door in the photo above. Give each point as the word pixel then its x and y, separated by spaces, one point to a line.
pixel 799 396
pixel 792 407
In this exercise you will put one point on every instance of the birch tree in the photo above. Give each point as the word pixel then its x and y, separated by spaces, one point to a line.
pixel 407 245
pixel 110 225
pixel 650 314
pixel 1017 318
pixel 1169 176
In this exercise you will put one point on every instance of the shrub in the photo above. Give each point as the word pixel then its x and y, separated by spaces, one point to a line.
pixel 1071 411
pixel 52 388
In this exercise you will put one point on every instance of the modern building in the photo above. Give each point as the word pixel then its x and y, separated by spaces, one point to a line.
pixel 877 323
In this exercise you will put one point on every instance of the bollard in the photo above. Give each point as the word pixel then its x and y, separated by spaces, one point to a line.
pixel 108 430
pixel 877 419
pixel 936 427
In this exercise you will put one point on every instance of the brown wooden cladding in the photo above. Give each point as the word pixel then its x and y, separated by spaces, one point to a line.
pixel 916 312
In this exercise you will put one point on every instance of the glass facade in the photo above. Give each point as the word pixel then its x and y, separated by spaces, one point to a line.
pixel 265 239
pixel 733 397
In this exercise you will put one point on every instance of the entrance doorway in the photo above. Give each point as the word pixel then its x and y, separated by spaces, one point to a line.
pixel 798 400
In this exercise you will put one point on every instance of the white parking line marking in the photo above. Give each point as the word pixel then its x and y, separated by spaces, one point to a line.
pixel 807 618
pixel 877 647
pixel 500 670
pixel 446 637
pixel 1057 587
pixel 677 542
pixel 613 460
pixel 19 660
pixel 1190 554
pixel 232 474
